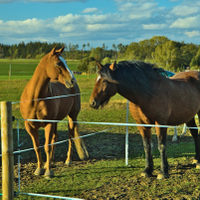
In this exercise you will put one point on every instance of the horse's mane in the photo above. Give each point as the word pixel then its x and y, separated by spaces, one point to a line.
pixel 134 75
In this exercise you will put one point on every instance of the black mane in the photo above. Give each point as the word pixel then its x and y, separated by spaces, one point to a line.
pixel 134 75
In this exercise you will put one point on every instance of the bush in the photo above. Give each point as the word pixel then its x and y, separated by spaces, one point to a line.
pixel 106 60
pixel 85 63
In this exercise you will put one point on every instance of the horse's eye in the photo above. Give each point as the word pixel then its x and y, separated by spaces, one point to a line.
pixel 59 63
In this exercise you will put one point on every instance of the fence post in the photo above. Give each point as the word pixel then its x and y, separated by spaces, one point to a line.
pixel 7 151
pixel 126 138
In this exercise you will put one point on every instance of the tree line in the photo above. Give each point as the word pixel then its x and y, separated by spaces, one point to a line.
pixel 171 55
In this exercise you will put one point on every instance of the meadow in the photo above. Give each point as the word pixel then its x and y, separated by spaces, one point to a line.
pixel 104 174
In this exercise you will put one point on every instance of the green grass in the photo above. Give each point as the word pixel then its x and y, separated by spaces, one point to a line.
pixel 104 175
pixel 24 68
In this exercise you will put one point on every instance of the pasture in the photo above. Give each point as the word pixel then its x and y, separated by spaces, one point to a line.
pixel 104 175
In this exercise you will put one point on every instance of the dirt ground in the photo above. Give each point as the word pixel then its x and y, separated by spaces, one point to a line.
pixel 124 187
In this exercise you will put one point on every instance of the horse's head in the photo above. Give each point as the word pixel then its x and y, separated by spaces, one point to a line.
pixel 57 69
pixel 104 88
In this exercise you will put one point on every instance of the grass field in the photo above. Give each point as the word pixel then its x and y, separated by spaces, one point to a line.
pixel 104 175
pixel 23 68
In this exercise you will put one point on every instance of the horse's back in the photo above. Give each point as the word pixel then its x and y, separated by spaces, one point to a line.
pixel 187 75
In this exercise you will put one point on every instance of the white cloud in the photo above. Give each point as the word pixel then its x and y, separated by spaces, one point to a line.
pixel 185 10
pixel 104 27
pixel 67 19
pixel 154 26
pixel 192 33
pixel 140 10
pixel 22 27
pixel 188 22
pixel 90 10
pixel 137 7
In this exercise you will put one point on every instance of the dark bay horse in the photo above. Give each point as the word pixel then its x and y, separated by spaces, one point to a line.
pixel 154 99
pixel 51 78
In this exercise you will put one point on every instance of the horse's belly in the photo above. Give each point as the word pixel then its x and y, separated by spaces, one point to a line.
pixel 182 115
pixel 54 109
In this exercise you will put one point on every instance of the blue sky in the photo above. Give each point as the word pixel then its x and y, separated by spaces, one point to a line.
pixel 98 21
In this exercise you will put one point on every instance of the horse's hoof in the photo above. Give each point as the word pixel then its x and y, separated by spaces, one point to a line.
pixel 197 166
pixel 195 161
pixel 145 174
pixel 68 163
pixel 48 174
pixel 39 171
pixel 162 176
pixel 174 139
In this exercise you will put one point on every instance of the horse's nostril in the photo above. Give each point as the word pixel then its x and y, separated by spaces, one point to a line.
pixel 93 104
pixel 73 81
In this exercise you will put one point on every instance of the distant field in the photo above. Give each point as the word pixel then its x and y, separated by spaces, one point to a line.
pixel 23 68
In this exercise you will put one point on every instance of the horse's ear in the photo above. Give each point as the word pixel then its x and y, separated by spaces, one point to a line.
pixel 53 51
pixel 113 66
pixel 99 65
pixel 61 50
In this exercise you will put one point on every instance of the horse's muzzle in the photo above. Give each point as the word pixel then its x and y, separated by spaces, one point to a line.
pixel 93 104
pixel 70 84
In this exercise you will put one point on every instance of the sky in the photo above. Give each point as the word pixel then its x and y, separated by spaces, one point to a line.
pixel 98 22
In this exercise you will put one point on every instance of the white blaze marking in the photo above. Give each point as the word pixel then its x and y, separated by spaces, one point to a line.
pixel 65 64
pixel 98 78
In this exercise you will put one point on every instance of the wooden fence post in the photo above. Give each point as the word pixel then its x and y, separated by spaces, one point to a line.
pixel 7 151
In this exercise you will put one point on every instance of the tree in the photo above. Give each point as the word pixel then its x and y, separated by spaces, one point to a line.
pixel 114 51
pixel 84 45
pixel 106 60
pixel 196 60
pixel 15 54
pixel 133 51
pixel 92 67
pixel 176 59
pixel 169 55
pixel 88 46
pixel 97 53
pixel 188 52
pixel 122 48
pixel 1 52
pixel 84 64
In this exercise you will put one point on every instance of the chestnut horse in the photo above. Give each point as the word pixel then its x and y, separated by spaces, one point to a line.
pixel 154 99
pixel 51 78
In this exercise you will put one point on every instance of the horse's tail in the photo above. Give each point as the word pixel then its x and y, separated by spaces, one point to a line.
pixel 79 144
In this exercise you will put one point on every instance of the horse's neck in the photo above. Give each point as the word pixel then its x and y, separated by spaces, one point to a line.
pixel 131 96
pixel 39 83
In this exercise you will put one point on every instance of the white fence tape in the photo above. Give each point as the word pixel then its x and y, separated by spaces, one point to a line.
pixel 108 123
pixel 49 98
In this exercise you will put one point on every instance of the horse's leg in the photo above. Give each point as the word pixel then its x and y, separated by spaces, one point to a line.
pixel 146 137
pixel 79 144
pixel 54 139
pixel 162 136
pixel 71 135
pixel 194 133
pixel 36 143
pixel 49 131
